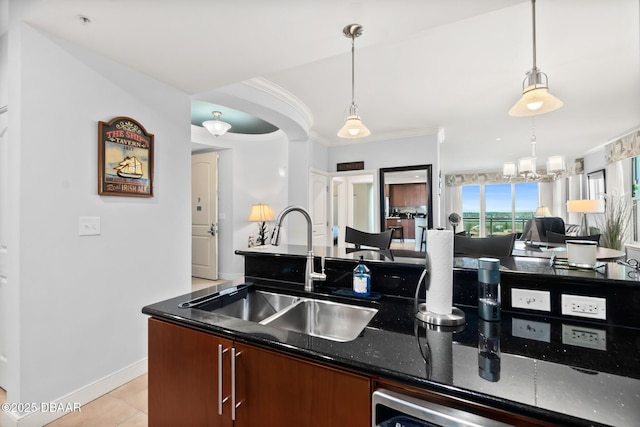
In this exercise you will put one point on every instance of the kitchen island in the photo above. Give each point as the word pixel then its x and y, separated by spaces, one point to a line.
pixel 551 369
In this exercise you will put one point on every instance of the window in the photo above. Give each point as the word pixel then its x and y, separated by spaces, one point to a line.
pixel 498 211
pixel 471 209
pixel 493 209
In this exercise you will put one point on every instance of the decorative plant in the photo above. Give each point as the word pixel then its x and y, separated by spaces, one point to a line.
pixel 615 222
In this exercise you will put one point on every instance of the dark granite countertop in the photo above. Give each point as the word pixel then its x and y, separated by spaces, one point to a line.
pixel 515 264
pixel 564 372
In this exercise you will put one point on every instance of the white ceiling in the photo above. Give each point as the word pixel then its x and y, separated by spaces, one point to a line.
pixel 421 65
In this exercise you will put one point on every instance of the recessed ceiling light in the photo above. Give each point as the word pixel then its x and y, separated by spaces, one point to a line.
pixel 498 139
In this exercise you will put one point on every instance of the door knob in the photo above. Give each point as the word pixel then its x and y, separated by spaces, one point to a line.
pixel 214 229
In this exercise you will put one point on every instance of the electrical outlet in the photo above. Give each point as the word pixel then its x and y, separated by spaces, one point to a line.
pixel 584 337
pixel 578 305
pixel 530 299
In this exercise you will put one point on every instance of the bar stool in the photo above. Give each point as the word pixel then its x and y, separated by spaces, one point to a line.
pixel 423 237
pixel 399 228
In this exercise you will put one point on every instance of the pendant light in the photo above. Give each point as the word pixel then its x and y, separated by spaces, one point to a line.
pixel 353 127
pixel 536 98
pixel 216 126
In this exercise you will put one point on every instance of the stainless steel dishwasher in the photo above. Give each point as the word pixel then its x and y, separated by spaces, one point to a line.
pixel 391 409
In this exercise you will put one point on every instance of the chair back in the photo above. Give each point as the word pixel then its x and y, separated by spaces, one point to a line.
pixel 537 228
pixel 362 238
pixel 562 238
pixel 499 246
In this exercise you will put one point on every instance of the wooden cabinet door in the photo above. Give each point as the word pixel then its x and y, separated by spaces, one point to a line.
pixel 183 377
pixel 278 390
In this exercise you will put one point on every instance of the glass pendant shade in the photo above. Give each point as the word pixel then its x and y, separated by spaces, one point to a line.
pixel 353 128
pixel 509 169
pixel 216 126
pixel 555 164
pixel 527 165
pixel 535 101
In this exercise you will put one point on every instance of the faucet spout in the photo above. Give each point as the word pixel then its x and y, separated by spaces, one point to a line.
pixel 310 275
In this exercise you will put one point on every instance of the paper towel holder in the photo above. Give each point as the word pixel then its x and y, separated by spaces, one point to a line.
pixel 455 318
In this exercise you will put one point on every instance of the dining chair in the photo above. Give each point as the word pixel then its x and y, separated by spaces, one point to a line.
pixel 362 238
pixel 499 246
pixel 553 237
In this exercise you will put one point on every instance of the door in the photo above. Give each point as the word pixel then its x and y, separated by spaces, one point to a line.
pixel 204 215
pixel 318 205
pixel 185 385
pixel 278 390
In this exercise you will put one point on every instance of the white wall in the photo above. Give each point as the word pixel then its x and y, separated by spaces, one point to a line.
pixel 402 152
pixel 77 300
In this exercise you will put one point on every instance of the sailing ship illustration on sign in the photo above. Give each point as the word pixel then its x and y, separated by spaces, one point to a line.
pixel 130 167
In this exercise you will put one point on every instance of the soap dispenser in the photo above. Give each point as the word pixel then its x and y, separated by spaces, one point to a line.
pixel 361 279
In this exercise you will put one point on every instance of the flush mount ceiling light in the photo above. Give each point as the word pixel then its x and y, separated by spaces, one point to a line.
pixel 536 98
pixel 216 126
pixel 353 127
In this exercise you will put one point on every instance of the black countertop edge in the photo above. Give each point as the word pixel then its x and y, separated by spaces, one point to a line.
pixel 371 370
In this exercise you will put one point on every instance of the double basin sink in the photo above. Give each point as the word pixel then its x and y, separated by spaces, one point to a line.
pixel 319 318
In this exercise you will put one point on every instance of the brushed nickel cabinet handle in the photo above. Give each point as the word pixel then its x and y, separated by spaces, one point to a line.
pixel 234 403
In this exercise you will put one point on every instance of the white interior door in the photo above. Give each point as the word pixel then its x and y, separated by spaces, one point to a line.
pixel 318 207
pixel 204 215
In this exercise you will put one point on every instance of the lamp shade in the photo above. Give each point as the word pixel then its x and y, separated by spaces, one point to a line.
pixel 527 165
pixel 353 128
pixel 509 169
pixel 542 211
pixel 585 206
pixel 555 164
pixel 535 101
pixel 261 212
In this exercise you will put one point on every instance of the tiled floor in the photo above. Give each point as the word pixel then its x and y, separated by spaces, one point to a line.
pixel 125 406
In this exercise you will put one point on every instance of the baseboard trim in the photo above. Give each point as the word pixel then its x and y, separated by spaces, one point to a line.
pixel 82 396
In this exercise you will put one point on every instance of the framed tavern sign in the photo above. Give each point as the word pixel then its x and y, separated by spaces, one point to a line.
pixel 125 159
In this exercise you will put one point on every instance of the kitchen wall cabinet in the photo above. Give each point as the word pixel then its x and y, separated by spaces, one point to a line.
pixel 270 388
pixel 408 195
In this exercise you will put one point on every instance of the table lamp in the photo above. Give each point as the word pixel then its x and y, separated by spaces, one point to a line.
pixel 584 207
pixel 542 211
pixel 261 213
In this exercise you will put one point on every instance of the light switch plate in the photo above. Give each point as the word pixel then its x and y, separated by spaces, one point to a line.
pixel 89 226
pixel 530 299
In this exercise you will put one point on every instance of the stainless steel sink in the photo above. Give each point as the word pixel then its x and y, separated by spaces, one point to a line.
pixel 257 306
pixel 324 319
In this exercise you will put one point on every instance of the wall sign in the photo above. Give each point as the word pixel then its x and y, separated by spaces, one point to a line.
pixel 125 159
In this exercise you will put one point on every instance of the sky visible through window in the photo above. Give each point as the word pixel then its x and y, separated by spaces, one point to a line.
pixel 498 197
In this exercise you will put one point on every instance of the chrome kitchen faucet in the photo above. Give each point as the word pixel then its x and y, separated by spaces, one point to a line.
pixel 310 275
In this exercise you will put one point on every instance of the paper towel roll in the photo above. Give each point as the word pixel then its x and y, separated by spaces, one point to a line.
pixel 439 296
